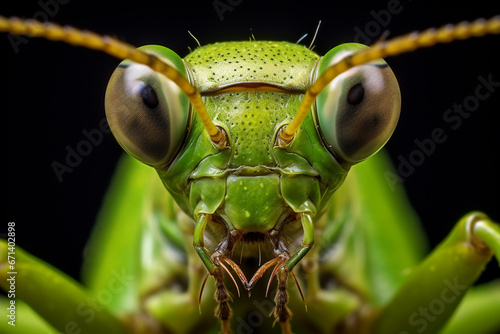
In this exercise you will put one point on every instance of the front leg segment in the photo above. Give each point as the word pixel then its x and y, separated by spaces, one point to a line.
pixel 56 297
pixel 434 289
pixel 222 297
pixel 281 311
pixel 199 243
pixel 307 241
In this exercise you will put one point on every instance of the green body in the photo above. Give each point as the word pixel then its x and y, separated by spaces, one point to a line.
pixel 363 273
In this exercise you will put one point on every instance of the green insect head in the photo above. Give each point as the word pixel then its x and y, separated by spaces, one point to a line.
pixel 254 185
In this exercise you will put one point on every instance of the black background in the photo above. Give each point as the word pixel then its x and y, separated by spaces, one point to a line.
pixel 50 92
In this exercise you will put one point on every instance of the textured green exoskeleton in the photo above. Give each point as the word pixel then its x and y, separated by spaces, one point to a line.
pixel 260 201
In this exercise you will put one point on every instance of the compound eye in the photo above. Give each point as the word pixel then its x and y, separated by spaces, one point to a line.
pixel 358 112
pixel 147 113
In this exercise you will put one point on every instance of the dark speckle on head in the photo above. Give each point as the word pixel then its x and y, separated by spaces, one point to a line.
pixel 252 61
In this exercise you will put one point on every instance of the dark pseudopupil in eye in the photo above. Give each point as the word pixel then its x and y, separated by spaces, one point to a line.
pixel 149 96
pixel 356 94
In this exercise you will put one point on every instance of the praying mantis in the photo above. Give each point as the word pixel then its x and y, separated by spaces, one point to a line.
pixel 420 138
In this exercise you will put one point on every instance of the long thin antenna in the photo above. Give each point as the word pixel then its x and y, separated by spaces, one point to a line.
pixel 390 48
pixel 116 49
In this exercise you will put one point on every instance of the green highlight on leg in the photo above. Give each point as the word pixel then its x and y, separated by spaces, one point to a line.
pixel 478 313
pixel 199 231
pixel 307 242
pixel 296 257
pixel 199 243
pixel 31 323
pixel 56 297
pixel 488 233
pixel 434 288
pixel 205 258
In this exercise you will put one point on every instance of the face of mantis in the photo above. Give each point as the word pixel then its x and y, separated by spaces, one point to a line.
pixel 460 175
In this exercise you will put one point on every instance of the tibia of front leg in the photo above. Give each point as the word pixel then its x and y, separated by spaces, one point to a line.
pixel 57 298
pixel 433 289
pixel 281 311
pixel 31 323
pixel 223 310
pixel 478 312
